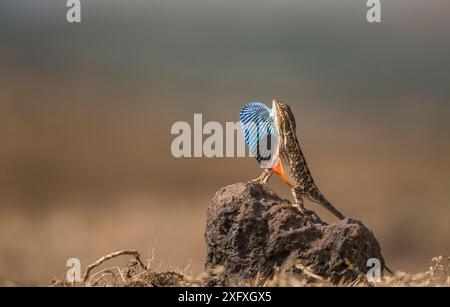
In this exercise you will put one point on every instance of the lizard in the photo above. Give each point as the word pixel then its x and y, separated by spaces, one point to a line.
pixel 289 161
pixel 291 164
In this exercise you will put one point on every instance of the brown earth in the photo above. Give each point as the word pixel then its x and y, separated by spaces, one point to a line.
pixel 250 231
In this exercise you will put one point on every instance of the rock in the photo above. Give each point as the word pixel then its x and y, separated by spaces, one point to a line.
pixel 250 230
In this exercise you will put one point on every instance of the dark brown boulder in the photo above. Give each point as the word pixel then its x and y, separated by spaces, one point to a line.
pixel 250 230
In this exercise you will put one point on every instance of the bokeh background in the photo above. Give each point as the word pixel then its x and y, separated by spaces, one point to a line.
pixel 86 111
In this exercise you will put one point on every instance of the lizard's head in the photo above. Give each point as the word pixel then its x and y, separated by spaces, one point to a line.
pixel 284 119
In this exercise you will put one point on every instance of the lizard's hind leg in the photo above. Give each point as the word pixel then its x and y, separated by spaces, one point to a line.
pixel 298 200
pixel 264 176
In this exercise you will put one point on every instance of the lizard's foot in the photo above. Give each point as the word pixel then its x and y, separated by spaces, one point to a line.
pixel 308 215
pixel 264 178
pixel 258 180
pixel 301 209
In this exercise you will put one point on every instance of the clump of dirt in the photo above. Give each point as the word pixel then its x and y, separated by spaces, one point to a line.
pixel 250 231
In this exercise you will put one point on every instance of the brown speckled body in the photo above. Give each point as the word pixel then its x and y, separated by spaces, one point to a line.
pixel 292 166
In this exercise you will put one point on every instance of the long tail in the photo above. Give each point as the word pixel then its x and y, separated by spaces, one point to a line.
pixel 316 196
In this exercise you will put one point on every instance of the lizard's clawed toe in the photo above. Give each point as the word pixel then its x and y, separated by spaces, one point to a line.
pixel 308 215
pixel 257 181
pixel 299 208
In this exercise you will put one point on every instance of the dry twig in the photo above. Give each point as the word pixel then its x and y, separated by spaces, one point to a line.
pixel 133 253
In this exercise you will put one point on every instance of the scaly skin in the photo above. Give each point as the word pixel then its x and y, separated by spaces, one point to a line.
pixel 291 165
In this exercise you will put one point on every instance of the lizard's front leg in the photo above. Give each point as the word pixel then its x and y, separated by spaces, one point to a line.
pixel 264 176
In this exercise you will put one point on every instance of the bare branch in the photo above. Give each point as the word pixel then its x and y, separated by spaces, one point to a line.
pixel 133 253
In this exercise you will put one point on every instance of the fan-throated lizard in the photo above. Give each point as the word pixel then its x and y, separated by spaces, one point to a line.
pixel 291 164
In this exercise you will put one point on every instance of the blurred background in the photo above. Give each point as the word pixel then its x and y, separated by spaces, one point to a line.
pixel 86 111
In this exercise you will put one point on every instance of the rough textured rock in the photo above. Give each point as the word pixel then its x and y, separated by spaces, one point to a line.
pixel 250 230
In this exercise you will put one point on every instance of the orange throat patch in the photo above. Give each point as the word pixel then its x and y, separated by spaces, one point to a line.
pixel 278 169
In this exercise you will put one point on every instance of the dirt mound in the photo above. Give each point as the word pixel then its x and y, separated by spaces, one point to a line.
pixel 250 231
